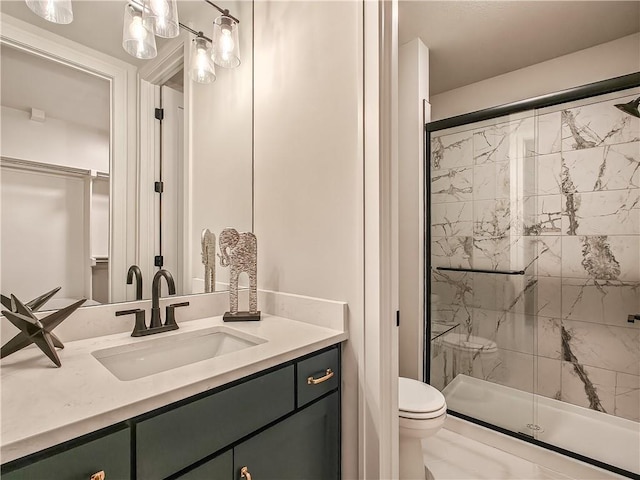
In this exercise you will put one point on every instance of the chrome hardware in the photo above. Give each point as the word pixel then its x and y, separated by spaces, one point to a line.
pixel 98 475
pixel 244 473
pixel 535 427
pixel 316 381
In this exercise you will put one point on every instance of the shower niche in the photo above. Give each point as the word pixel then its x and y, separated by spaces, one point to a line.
pixel 533 261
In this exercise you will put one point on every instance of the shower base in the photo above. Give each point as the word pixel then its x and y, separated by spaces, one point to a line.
pixel 605 438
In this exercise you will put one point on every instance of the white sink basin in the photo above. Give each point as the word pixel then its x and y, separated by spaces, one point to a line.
pixel 166 352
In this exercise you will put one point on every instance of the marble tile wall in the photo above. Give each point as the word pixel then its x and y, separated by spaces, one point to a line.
pixel 557 195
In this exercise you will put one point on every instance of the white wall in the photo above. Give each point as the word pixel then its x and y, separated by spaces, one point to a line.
pixel 43 215
pixel 53 141
pixel 42 234
pixel 221 175
pixel 608 60
pixel 308 188
pixel 413 92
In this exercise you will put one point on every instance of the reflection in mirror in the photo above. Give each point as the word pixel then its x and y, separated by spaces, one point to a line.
pixel 69 218
pixel 55 180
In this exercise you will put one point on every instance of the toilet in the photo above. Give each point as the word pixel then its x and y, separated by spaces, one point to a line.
pixel 422 410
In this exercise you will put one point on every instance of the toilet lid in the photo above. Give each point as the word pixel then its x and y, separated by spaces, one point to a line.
pixel 418 397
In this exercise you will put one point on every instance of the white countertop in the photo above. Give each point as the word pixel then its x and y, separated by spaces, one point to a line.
pixel 43 405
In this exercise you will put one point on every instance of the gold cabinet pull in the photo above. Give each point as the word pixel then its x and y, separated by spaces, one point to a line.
pixel 244 473
pixel 98 475
pixel 316 381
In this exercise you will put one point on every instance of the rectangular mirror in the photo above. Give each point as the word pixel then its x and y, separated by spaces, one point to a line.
pixel 92 181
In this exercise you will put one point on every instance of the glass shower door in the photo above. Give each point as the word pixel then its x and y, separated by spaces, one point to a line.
pixel 483 281
pixel 588 350
pixel 534 256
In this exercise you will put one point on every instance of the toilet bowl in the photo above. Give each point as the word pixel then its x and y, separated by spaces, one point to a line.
pixel 422 410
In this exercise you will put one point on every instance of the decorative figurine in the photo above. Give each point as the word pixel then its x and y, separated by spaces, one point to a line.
pixel 240 252
pixel 209 260
pixel 34 330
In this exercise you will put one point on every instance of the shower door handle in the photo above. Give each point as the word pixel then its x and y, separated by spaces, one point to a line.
pixel 633 318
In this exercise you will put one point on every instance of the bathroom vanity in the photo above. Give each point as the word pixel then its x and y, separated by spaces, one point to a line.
pixel 273 407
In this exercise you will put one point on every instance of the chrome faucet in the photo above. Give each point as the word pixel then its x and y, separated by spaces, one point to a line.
pixel 156 326
pixel 155 296
pixel 134 270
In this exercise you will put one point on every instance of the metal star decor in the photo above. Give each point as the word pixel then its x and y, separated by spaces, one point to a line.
pixel 35 331
pixel 34 305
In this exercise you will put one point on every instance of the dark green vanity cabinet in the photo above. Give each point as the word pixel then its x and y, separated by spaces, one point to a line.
pixel 283 423
pixel 171 441
pixel 79 459
pixel 219 467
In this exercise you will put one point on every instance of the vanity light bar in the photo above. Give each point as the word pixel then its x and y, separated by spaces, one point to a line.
pixel 223 11
pixel 191 30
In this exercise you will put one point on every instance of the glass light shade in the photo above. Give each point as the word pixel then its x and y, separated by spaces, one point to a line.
pixel 163 14
pixel 56 11
pixel 137 39
pixel 201 67
pixel 225 51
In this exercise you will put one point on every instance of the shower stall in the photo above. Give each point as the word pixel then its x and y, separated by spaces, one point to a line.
pixel 533 264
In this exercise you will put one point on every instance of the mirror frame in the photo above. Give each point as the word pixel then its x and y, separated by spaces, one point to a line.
pixel 123 173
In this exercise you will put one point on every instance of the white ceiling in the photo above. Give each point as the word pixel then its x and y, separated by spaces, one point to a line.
pixel 470 41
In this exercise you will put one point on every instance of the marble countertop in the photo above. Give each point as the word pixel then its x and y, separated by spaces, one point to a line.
pixel 43 405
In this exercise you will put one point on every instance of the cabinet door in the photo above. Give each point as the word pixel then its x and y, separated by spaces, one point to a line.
pixel 171 441
pixel 304 446
pixel 110 454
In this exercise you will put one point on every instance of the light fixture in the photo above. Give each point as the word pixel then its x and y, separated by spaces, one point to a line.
pixel 631 107
pixel 225 51
pixel 137 37
pixel 163 14
pixel 56 11
pixel 201 67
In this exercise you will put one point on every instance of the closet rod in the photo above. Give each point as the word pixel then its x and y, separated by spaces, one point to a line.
pixel 31 165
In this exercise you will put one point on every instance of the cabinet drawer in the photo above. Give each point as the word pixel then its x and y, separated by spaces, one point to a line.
pixel 110 453
pixel 311 373
pixel 169 442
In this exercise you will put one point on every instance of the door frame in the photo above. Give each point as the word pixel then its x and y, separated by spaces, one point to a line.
pixel 154 73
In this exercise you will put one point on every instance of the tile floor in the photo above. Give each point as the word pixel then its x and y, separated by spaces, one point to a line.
pixel 450 456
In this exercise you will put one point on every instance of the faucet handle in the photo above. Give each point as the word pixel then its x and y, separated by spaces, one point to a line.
pixel 171 314
pixel 140 326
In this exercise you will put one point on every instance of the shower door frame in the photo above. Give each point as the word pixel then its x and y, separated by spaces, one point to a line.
pixel 577 93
